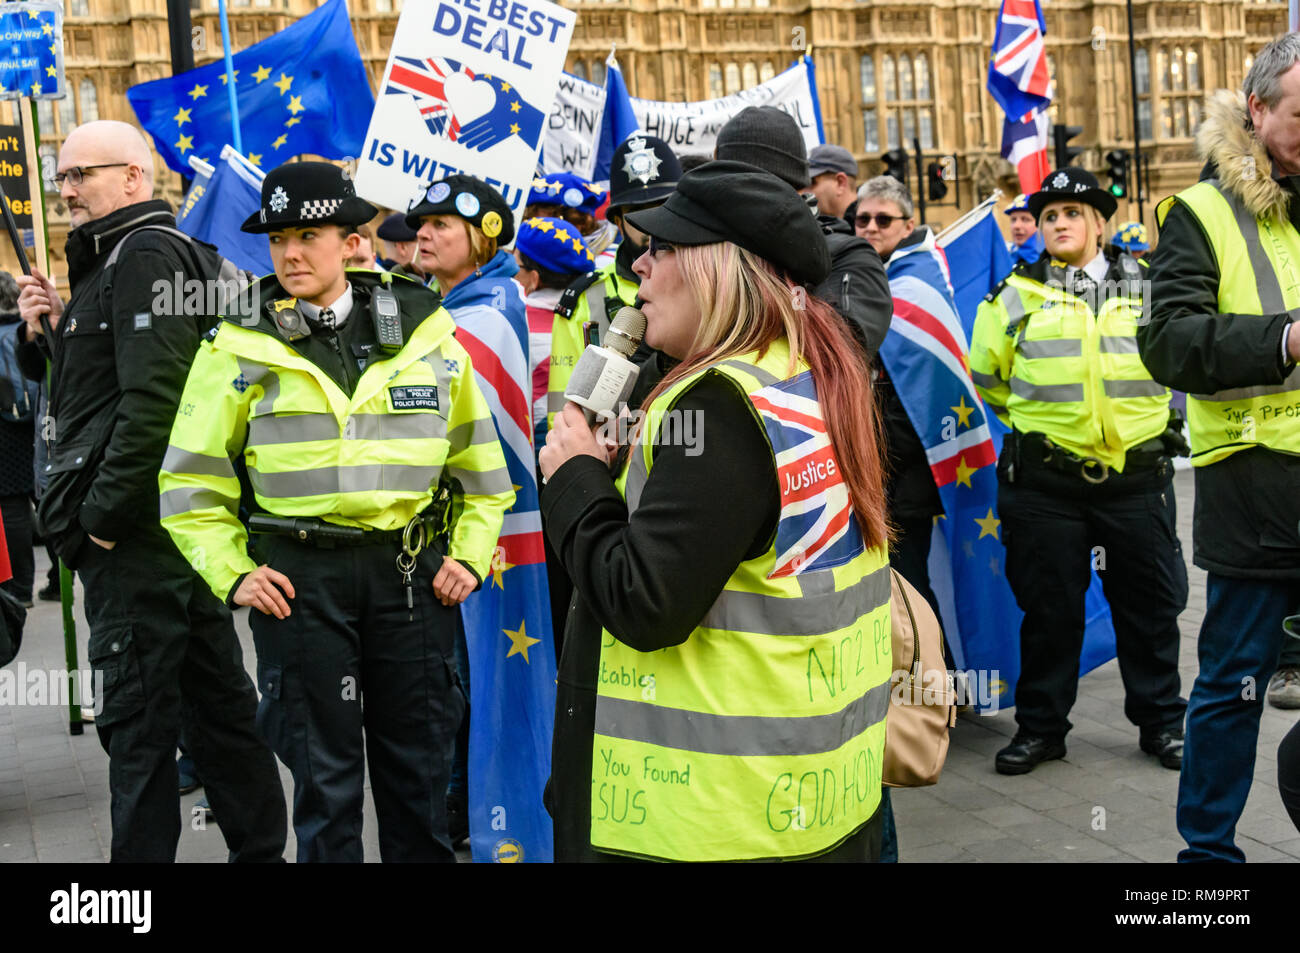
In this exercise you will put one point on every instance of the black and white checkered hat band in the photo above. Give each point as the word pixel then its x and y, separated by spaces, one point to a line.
pixel 319 208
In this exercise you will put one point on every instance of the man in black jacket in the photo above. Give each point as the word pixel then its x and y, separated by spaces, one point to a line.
pixel 1225 293
pixel 166 647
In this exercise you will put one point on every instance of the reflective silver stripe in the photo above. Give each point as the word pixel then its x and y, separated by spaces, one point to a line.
pixel 1047 393
pixel 328 480
pixel 735 611
pixel 441 374
pixel 1270 292
pixel 474 433
pixel 1010 299
pixel 1147 388
pixel 419 426
pixel 986 380
pixel 1249 393
pixel 1061 347
pixel 636 478
pixel 255 373
pixel 177 460
pixel 762 376
pixel 1119 344
pixel 185 499
pixel 741 736
pixel 291 428
pixel 487 483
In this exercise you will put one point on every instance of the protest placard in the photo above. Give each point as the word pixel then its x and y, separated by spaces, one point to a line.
pixel 688 128
pixel 31 50
pixel 14 174
pixel 467 88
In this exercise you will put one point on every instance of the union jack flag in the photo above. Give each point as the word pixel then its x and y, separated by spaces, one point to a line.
pixel 817 528
pixel 1020 82
pixel 423 80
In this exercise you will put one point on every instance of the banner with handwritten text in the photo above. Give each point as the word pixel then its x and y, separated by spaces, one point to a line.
pixel 689 128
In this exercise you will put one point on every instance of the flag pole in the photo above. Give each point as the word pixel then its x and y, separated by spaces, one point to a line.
pixel 1138 182
pixel 236 139
pixel 961 224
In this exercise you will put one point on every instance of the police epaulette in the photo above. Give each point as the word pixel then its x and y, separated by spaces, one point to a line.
pixel 569 297
pixel 992 295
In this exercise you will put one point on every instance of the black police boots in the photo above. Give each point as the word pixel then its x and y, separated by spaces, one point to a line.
pixel 1025 751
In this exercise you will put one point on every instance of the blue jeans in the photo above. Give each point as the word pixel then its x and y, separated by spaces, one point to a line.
pixel 888 833
pixel 1238 651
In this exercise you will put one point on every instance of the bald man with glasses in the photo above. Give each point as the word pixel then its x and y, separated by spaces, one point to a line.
pixel 165 646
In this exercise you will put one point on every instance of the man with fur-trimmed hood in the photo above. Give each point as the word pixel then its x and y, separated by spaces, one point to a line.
pixel 1225 297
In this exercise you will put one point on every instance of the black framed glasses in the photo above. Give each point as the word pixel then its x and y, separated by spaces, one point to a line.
pixel 77 173
pixel 882 220
pixel 657 245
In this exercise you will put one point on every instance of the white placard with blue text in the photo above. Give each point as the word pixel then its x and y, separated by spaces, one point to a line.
pixel 467 88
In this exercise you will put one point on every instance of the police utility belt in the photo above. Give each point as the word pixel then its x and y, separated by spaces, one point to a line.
pixel 426 528
pixel 1032 451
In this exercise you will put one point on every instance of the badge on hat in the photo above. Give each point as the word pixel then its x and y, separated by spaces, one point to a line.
pixel 467 204
pixel 1060 181
pixel 491 224
pixel 279 199
pixel 572 196
pixel 438 192
pixel 641 163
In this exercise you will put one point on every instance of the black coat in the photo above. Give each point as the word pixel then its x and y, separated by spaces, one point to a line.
pixel 120 360
pixel 857 287
pixel 1247 505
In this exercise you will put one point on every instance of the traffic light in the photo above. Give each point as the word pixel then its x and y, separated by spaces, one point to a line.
pixel 896 164
pixel 937 187
pixel 1061 136
pixel 1117 169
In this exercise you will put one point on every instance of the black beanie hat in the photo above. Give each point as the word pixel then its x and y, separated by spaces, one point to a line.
pixel 768 138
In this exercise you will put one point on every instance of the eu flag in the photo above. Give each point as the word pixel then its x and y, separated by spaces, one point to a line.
pixel 617 123
pixel 303 90
pixel 216 205
pixel 508 621
pixel 31 51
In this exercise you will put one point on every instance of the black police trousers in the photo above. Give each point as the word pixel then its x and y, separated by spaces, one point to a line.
pixel 1055 526
pixel 170 658
pixel 349 661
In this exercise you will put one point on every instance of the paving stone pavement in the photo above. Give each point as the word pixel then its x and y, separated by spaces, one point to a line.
pixel 1104 802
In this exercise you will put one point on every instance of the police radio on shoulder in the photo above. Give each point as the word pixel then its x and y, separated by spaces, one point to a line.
pixel 604 376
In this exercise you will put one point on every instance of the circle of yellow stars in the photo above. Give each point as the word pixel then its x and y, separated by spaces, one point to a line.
pixel 263 73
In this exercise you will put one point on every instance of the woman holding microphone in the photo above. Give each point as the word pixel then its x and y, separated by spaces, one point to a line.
pixel 725 674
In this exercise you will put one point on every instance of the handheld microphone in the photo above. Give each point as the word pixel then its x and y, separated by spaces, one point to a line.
pixel 604 376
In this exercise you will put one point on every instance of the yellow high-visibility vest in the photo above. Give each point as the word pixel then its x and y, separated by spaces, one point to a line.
pixel 372 460
pixel 1259 274
pixel 762 735
pixel 1044 363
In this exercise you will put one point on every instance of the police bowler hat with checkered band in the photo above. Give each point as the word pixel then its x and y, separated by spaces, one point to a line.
pixel 301 194
pixel 1072 184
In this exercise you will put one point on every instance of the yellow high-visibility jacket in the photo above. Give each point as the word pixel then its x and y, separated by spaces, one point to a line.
pixel 373 460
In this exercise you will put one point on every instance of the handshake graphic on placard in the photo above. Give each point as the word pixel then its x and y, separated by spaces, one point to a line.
pixel 476 110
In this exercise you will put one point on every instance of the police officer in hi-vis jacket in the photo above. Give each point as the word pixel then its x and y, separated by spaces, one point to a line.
pixel 378 487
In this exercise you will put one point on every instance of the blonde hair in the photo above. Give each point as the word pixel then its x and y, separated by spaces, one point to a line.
pixel 481 248
pixel 745 305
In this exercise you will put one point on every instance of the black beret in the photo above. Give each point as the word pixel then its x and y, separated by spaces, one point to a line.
pixel 299 194
pixel 729 201
pixel 473 200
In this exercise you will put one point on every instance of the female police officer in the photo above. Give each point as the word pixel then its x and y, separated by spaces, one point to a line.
pixel 1085 477
pixel 349 401
pixel 689 725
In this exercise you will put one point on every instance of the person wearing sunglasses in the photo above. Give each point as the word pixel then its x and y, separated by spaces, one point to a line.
pixel 740 539
pixel 355 412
